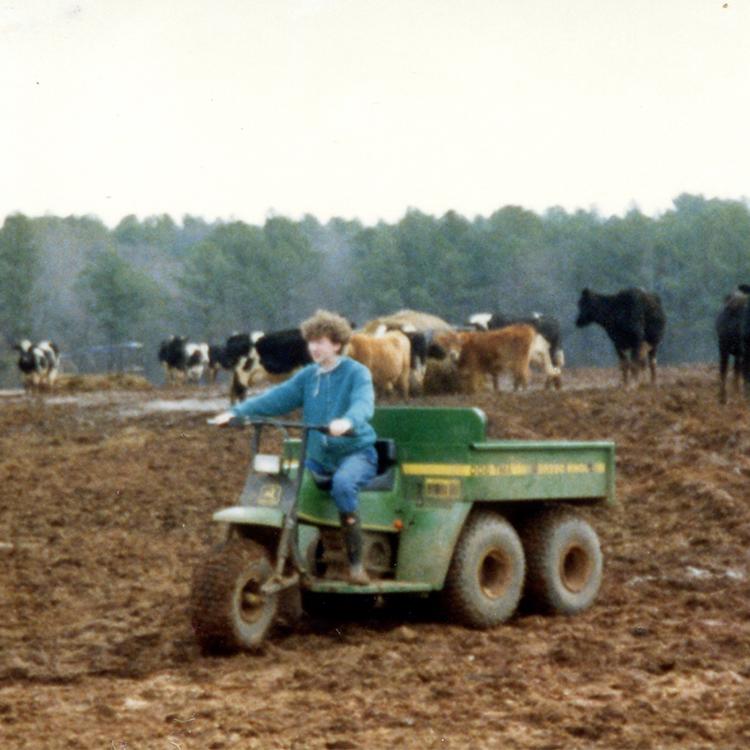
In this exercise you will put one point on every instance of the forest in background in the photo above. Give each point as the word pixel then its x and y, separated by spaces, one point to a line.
pixel 84 285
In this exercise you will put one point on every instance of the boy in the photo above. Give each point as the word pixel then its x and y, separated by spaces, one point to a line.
pixel 337 391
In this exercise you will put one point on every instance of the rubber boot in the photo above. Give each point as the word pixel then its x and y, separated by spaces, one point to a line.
pixel 352 531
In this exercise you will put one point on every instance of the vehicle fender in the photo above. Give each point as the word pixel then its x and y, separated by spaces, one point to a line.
pixel 253 515
pixel 427 543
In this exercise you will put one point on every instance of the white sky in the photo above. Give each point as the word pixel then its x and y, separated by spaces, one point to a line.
pixel 232 109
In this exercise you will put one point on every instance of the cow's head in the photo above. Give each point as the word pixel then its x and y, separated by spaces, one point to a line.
pixel 449 343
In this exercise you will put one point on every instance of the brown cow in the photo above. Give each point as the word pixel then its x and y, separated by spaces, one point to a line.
pixel 492 353
pixel 387 358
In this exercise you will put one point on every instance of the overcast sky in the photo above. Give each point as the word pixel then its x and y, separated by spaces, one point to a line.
pixel 234 109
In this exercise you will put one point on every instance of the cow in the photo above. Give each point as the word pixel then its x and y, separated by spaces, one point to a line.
pixel 387 356
pixel 509 349
pixel 448 344
pixel 420 348
pixel 546 325
pixel 183 360
pixel 634 321
pixel 172 357
pixel 745 340
pixel 729 334
pixel 265 356
pixel 219 358
pixel 39 363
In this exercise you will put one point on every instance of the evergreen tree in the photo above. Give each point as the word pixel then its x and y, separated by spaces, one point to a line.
pixel 19 270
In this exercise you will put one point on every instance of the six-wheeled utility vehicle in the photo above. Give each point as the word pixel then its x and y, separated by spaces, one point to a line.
pixel 476 522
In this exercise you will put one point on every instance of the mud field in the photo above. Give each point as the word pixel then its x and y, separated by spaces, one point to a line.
pixel 105 507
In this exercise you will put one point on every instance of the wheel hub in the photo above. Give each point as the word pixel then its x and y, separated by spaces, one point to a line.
pixel 495 573
pixel 251 601
pixel 575 568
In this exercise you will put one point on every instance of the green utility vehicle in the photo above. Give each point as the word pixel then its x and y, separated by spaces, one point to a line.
pixel 477 523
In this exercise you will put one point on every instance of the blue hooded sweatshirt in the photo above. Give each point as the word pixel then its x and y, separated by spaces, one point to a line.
pixel 344 392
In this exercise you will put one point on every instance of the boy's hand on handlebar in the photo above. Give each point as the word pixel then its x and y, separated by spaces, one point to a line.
pixel 222 419
pixel 338 427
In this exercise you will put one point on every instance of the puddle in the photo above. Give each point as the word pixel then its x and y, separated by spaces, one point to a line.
pixel 132 403
pixel 185 404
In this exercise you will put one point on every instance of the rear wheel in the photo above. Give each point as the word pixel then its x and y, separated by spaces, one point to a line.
pixel 229 610
pixel 485 578
pixel 564 562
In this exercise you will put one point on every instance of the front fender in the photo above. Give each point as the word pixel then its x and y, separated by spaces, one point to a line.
pixel 250 515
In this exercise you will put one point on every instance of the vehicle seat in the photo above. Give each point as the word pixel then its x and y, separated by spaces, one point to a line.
pixel 383 480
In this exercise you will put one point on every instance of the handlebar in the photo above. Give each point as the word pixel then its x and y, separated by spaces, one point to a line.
pixel 282 424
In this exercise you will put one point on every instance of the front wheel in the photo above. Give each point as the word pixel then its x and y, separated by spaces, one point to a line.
pixel 229 610
pixel 485 578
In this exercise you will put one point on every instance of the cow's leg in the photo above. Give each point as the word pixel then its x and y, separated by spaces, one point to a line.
pixel 652 365
pixel 647 358
pixel 403 383
pixel 521 376
pixel 723 366
pixel 644 350
pixel 475 381
pixel 624 367
pixel 234 389
pixel 737 372
pixel 552 373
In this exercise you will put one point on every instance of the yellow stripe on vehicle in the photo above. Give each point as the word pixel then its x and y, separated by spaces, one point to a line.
pixel 501 470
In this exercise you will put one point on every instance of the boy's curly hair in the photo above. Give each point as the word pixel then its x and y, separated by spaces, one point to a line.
pixel 328 324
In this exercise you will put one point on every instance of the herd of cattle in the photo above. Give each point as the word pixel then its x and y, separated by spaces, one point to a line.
pixel 398 348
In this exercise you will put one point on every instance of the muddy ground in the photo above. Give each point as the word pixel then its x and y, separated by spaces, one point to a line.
pixel 105 506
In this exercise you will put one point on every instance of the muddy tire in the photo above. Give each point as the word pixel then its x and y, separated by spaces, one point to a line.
pixel 228 611
pixel 485 578
pixel 563 563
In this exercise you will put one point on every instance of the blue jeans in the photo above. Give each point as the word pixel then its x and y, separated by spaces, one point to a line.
pixel 355 471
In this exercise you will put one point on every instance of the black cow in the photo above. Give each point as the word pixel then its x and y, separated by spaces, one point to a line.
pixel 546 326
pixel 261 355
pixel 633 319
pixel 729 335
pixel 39 363
pixel 745 340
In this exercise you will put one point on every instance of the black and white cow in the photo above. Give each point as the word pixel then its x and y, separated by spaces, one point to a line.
pixel 729 335
pixel 183 360
pixel 39 363
pixel 240 357
pixel 218 359
pixel 546 326
pixel 633 319
pixel 262 356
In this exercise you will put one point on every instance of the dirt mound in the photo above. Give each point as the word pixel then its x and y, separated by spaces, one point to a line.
pixel 113 381
pixel 419 321
pixel 104 515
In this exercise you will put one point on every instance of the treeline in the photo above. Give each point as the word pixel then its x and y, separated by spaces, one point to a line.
pixel 82 284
